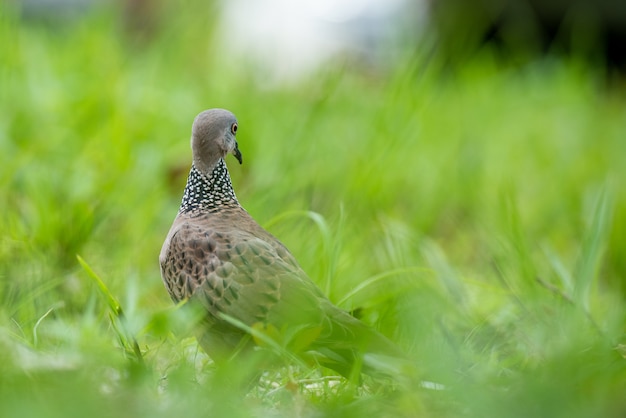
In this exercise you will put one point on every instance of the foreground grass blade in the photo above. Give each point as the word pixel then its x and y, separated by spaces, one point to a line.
pixel 365 284
pixel 118 320
pixel 262 338
pixel 592 247
pixel 114 305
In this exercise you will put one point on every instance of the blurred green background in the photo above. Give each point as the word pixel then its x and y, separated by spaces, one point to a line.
pixel 471 209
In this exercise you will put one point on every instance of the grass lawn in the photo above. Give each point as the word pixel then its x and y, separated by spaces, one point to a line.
pixel 475 215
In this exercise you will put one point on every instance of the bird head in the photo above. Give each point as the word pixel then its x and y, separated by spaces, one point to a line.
pixel 212 137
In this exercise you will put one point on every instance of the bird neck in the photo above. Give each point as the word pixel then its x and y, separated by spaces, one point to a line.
pixel 210 193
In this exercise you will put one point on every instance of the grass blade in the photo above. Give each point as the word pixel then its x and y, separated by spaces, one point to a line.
pixel 118 320
pixel 592 247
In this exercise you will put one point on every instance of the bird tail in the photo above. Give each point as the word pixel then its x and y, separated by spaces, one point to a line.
pixel 353 348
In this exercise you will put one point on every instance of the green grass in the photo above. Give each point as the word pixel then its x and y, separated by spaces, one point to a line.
pixel 476 215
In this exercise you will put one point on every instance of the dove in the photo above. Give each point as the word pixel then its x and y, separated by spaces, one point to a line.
pixel 243 279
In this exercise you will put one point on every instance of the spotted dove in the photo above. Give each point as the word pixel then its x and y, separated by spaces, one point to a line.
pixel 218 257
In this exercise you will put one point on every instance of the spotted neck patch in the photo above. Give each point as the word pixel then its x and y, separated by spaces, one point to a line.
pixel 208 194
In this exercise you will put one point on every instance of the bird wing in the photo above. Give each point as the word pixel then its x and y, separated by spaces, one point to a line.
pixel 241 275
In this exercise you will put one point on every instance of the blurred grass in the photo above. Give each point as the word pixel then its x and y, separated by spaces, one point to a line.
pixel 484 204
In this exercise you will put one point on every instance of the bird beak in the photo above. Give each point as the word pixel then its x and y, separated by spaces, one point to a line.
pixel 237 153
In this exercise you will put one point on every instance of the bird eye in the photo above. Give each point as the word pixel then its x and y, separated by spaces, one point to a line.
pixel 233 128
